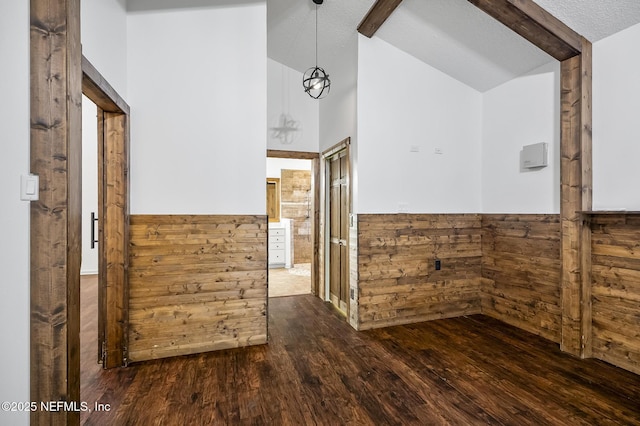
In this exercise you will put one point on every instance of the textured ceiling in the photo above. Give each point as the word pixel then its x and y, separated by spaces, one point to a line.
pixel 594 19
pixel 462 41
pixel 291 29
pixel 450 35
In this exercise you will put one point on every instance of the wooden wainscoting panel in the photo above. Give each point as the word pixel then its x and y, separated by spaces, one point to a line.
pixel 397 280
pixel 197 284
pixel 615 253
pixel 521 270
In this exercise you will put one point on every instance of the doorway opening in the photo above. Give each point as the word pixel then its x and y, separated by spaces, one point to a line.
pixel 292 207
pixel 90 350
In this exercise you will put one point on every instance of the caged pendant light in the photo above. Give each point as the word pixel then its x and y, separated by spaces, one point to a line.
pixel 315 80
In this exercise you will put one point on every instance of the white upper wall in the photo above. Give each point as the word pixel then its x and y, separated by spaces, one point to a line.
pixel 523 111
pixel 285 98
pixel 14 215
pixel 276 165
pixel 404 104
pixel 616 113
pixel 338 110
pixel 338 119
pixel 198 93
pixel 89 185
pixel 104 40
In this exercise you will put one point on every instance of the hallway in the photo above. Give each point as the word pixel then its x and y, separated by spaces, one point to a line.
pixel 317 370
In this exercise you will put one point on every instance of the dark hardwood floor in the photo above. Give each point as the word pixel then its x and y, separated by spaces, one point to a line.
pixel 317 370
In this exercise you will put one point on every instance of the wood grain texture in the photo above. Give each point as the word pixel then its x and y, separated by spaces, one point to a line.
pixel 317 370
pixel 98 89
pixel 535 24
pixel 375 17
pixel 586 160
pixel 521 270
pixel 197 284
pixel 397 280
pixel 615 293
pixel 297 155
pixel 353 275
pixel 115 217
pixel 113 214
pixel 56 218
pixel 575 196
pixel 297 204
pixel 316 255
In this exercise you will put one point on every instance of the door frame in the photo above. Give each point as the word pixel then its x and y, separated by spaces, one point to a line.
pixel 315 208
pixel 58 77
pixel 113 216
pixel 342 146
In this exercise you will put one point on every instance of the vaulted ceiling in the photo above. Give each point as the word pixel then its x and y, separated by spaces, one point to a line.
pixel 450 35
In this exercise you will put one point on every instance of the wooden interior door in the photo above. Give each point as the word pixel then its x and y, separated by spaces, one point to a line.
pixel 338 231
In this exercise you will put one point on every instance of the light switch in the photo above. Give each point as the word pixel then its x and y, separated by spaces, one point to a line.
pixel 29 185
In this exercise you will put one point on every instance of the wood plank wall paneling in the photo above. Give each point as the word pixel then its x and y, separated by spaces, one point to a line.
pixel 197 284
pixel 297 204
pixel 521 269
pixel 397 280
pixel 615 253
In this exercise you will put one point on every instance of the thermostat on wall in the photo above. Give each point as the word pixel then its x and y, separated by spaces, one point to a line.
pixel 534 156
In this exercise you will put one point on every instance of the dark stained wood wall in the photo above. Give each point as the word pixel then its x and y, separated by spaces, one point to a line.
pixel 197 284
pixel 397 280
pixel 521 268
pixel 615 254
pixel 297 204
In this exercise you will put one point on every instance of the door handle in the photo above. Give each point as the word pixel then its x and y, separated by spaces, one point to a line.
pixel 94 219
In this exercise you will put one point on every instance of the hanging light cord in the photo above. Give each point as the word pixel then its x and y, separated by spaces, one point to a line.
pixel 316 35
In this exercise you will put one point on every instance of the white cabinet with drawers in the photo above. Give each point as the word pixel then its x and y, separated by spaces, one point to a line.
pixel 280 246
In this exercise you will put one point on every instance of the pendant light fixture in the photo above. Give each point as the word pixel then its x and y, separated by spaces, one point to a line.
pixel 315 80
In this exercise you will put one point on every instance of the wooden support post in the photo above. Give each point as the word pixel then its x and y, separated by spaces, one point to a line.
pixel 576 189
pixel 544 30
pixel 587 197
pixel 56 156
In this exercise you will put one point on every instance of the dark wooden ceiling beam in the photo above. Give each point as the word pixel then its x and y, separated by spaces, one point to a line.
pixel 376 16
pixel 536 25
